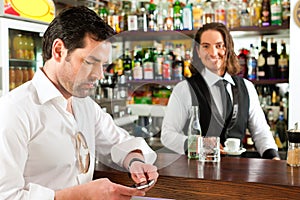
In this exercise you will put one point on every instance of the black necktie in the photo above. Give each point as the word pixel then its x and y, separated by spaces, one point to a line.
pixel 226 100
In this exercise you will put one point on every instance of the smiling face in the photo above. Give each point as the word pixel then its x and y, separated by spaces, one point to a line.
pixel 212 50
pixel 76 73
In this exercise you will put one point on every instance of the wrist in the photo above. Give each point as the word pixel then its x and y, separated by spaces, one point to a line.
pixel 135 160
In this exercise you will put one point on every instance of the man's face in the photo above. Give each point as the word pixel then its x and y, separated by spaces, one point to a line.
pixel 212 50
pixel 84 67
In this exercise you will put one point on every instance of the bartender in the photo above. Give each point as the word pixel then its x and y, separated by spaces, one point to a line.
pixel 215 62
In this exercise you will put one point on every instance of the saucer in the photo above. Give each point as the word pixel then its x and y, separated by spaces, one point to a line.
pixel 242 150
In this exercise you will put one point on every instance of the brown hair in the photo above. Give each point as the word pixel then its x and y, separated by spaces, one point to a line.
pixel 231 62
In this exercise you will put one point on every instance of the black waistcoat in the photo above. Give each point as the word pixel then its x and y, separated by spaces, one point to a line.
pixel 211 122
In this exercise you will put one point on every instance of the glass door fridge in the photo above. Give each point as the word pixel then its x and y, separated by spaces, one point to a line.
pixel 20 51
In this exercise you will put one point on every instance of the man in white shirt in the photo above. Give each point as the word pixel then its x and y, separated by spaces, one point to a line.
pixel 214 60
pixel 51 128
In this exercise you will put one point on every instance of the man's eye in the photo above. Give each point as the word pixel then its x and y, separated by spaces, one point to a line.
pixel 88 62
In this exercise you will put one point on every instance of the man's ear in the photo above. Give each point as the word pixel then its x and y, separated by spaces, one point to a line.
pixel 58 49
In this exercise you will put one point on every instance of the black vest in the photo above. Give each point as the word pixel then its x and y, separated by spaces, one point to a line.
pixel 212 124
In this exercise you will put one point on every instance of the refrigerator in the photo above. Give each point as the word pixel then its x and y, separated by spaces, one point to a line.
pixel 22 25
pixel 20 51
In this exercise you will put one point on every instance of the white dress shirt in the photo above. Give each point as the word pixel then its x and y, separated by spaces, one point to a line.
pixel 37 145
pixel 180 103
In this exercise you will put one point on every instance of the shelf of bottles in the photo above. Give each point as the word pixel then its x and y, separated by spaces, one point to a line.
pixel 23 47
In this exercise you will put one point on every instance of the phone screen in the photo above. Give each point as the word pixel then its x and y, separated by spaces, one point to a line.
pixel 141 186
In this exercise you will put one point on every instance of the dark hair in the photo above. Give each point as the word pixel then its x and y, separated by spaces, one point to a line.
pixel 231 61
pixel 71 26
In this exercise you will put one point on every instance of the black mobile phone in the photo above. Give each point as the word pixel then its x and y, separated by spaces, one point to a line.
pixel 144 185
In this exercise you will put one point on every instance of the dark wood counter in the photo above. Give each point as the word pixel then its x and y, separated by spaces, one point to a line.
pixel 232 178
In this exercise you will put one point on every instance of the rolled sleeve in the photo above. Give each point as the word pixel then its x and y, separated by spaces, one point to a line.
pixel 120 151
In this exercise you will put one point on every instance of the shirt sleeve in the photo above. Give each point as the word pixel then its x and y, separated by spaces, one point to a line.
pixel 176 116
pixel 114 140
pixel 257 124
pixel 13 154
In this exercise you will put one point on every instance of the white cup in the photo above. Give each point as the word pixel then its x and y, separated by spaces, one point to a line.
pixel 232 144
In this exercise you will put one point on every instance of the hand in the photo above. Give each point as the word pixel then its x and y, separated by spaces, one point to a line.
pixel 141 172
pixel 222 151
pixel 100 189
pixel 275 158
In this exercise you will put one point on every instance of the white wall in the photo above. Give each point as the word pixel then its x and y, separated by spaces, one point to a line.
pixel 294 76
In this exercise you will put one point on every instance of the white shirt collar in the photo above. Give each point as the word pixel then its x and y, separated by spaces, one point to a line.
pixel 211 78
pixel 45 89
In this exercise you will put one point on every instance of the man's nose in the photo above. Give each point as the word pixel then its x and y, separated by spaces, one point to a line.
pixel 98 72
pixel 212 51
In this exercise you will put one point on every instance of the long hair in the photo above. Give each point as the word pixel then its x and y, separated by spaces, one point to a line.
pixel 231 62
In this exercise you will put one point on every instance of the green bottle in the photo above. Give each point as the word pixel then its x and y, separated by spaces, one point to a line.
pixel 177 18
pixel 276 12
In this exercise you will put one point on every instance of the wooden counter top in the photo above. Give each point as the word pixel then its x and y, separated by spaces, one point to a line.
pixel 233 177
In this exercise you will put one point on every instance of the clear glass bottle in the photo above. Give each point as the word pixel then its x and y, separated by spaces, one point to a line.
pixel 220 11
pixel 194 134
pixel 255 12
pixel 208 13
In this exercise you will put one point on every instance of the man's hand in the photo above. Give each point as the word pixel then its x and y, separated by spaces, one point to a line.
pixel 101 189
pixel 141 173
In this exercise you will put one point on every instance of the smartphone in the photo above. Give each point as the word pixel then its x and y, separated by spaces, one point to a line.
pixel 144 185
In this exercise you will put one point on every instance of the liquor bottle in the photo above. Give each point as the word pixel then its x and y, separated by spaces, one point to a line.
pixel 152 12
pixel 252 64
pixel 158 64
pixel 167 63
pixel 169 25
pixel 177 68
pixel 142 19
pixel 208 13
pixel 285 11
pixel 281 128
pixel 194 134
pixel 160 16
pixel 276 12
pixel 187 64
pixel 233 17
pixel 197 15
pixel 262 60
pixel 283 62
pixel 220 11
pixel 148 65
pixel 255 12
pixel 177 16
pixel 272 61
pixel 242 57
pixel 265 13
pixel 187 17
pixel 132 18
pixel 245 16
pixel 127 65
pixel 103 12
pixel 137 71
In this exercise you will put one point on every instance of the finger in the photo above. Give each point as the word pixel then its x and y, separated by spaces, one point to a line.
pixel 129 191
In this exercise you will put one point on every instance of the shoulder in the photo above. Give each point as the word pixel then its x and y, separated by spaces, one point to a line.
pixel 182 86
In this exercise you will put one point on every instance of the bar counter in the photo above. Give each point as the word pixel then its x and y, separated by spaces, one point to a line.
pixel 232 178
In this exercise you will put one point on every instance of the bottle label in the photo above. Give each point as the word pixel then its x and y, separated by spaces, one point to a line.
pixel 261 61
pixel 148 70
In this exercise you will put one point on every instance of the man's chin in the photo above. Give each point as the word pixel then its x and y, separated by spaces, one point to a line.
pixel 82 93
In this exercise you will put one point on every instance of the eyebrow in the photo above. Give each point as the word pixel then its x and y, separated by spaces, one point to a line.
pixel 206 43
